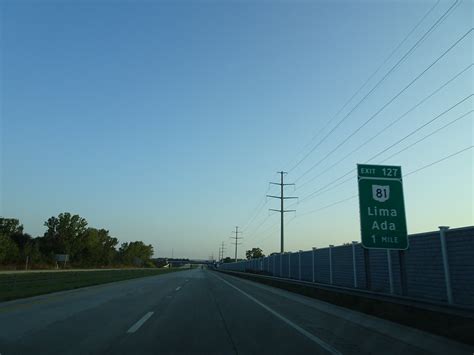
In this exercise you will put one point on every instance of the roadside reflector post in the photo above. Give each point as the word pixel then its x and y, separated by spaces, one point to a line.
pixel 444 252
pixel 313 254
pixel 390 275
pixel 330 264
pixel 354 265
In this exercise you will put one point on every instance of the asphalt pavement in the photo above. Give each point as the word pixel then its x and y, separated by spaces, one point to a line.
pixel 200 311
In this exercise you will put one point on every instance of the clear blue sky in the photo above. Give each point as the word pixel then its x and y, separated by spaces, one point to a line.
pixel 164 121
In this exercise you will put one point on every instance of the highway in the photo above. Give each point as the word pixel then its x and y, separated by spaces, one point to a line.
pixel 200 311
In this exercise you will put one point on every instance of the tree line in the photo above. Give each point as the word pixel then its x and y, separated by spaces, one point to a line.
pixel 70 235
pixel 253 253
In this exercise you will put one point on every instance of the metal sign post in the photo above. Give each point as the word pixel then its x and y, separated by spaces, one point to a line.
pixel 382 208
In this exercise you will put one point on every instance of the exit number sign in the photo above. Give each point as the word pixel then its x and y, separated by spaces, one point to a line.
pixel 382 210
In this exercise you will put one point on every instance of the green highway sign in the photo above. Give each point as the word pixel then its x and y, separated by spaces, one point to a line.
pixel 382 210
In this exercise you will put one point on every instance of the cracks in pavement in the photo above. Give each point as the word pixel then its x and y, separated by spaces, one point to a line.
pixel 222 316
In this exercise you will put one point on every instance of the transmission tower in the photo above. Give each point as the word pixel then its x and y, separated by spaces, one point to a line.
pixel 282 209
pixel 236 238
pixel 221 251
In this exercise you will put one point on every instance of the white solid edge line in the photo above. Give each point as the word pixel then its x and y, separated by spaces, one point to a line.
pixel 138 324
pixel 178 288
pixel 307 334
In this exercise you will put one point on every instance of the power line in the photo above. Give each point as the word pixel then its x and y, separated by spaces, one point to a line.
pixel 401 60
pixel 428 135
pixel 255 212
pixel 324 188
pixel 270 232
pixel 405 175
pixel 364 84
pixel 261 224
pixel 257 209
pixel 265 231
pixel 422 126
pixel 388 103
pixel 398 119
pixel 440 160
pixel 328 206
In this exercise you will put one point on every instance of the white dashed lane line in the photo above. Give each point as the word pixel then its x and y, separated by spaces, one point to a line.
pixel 138 324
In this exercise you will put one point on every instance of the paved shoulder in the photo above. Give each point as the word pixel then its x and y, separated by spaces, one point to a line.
pixel 344 330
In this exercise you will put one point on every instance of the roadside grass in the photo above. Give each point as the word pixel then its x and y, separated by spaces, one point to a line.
pixel 20 285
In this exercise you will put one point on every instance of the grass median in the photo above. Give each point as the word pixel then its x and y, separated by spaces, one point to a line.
pixel 20 285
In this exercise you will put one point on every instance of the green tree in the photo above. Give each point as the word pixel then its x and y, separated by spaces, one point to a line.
pixel 254 253
pixel 135 253
pixel 9 252
pixel 10 226
pixel 65 234
pixel 99 247
pixel 32 251
pixel 21 240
